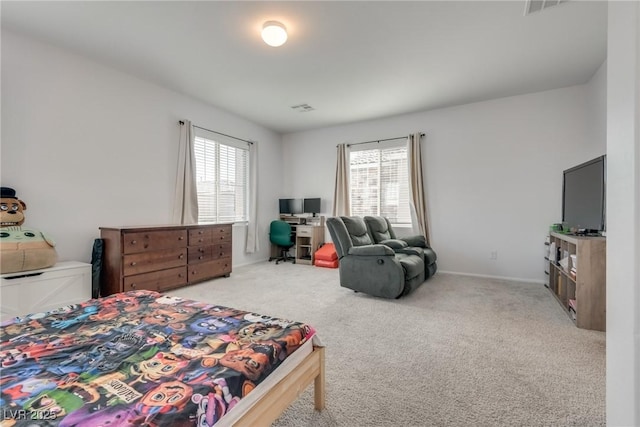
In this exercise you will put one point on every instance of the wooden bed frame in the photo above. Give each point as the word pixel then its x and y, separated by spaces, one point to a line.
pixel 279 397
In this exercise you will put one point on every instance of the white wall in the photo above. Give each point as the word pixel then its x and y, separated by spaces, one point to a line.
pixel 493 171
pixel 597 106
pixel 87 146
pixel 623 212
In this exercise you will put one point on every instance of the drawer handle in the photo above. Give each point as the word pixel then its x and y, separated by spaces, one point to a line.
pixel 201 250
pixel 221 253
pixel 193 272
pixel 179 274
pixel 180 238
pixel 181 256
pixel 200 240
pixel 21 276
pixel 133 263
pixel 200 257
pixel 200 232
pixel 221 230
pixel 133 242
pixel 133 285
pixel 221 237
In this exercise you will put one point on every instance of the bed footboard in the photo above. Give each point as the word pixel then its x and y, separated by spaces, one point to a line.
pixel 278 398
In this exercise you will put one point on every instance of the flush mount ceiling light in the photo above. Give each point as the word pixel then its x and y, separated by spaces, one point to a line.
pixel 274 33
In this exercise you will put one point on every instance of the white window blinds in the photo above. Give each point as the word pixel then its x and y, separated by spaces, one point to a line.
pixel 222 170
pixel 379 183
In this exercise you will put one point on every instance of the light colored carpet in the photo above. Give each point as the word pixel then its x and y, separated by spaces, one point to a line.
pixel 459 351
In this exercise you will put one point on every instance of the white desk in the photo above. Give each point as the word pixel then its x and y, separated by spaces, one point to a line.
pixel 309 238
pixel 307 235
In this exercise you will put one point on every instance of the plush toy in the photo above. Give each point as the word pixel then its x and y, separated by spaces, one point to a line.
pixel 21 249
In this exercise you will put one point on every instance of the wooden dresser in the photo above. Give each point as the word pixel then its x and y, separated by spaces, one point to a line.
pixel 160 258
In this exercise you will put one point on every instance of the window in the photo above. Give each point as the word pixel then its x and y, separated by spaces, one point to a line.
pixel 379 181
pixel 222 178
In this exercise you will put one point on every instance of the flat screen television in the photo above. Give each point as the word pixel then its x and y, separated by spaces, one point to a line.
pixel 312 206
pixel 583 197
pixel 291 206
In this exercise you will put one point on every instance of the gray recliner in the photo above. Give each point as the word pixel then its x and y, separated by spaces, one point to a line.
pixel 381 231
pixel 374 269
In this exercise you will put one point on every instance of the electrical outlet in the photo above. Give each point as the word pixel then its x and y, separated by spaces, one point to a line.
pixel 494 255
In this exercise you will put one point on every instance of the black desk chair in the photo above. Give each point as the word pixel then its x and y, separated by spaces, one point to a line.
pixel 280 235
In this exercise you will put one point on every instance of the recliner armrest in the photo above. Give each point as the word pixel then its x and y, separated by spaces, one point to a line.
pixel 413 250
pixel 394 244
pixel 418 241
pixel 371 250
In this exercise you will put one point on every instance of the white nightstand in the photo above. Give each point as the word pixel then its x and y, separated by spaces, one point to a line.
pixel 34 291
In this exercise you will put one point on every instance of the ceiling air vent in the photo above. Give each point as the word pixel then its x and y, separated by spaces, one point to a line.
pixel 302 108
pixel 532 6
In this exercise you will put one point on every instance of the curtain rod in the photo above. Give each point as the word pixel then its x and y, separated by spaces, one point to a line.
pixel 380 140
pixel 219 133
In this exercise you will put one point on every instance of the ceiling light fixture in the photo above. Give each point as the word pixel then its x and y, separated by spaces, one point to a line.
pixel 274 33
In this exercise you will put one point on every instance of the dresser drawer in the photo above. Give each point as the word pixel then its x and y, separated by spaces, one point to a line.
pixel 152 261
pixel 222 250
pixel 221 233
pixel 303 231
pixel 208 253
pixel 200 254
pixel 154 257
pixel 153 240
pixel 200 236
pixel 208 270
pixel 157 280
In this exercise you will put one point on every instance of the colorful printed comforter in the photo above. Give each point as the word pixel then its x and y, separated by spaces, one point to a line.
pixel 137 358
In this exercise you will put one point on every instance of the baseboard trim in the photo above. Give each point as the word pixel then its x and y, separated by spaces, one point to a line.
pixel 486 276
pixel 244 264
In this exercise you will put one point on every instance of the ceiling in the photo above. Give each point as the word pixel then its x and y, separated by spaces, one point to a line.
pixel 350 61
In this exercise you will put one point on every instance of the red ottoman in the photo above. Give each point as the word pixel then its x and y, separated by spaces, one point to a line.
pixel 326 256
pixel 327 264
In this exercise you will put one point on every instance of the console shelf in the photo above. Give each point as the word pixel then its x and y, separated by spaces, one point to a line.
pixel 579 281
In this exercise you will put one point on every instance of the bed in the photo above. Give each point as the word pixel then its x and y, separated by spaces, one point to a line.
pixel 144 358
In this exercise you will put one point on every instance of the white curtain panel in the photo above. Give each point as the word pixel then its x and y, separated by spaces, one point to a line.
pixel 341 203
pixel 253 243
pixel 185 207
pixel 418 200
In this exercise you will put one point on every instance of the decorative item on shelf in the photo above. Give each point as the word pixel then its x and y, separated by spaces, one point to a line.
pixel 559 282
pixel 555 228
pixel 547 246
pixel 22 249
pixel 573 313
pixel 553 253
pixel 573 308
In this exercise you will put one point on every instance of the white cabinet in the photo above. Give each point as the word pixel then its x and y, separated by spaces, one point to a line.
pixel 35 291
